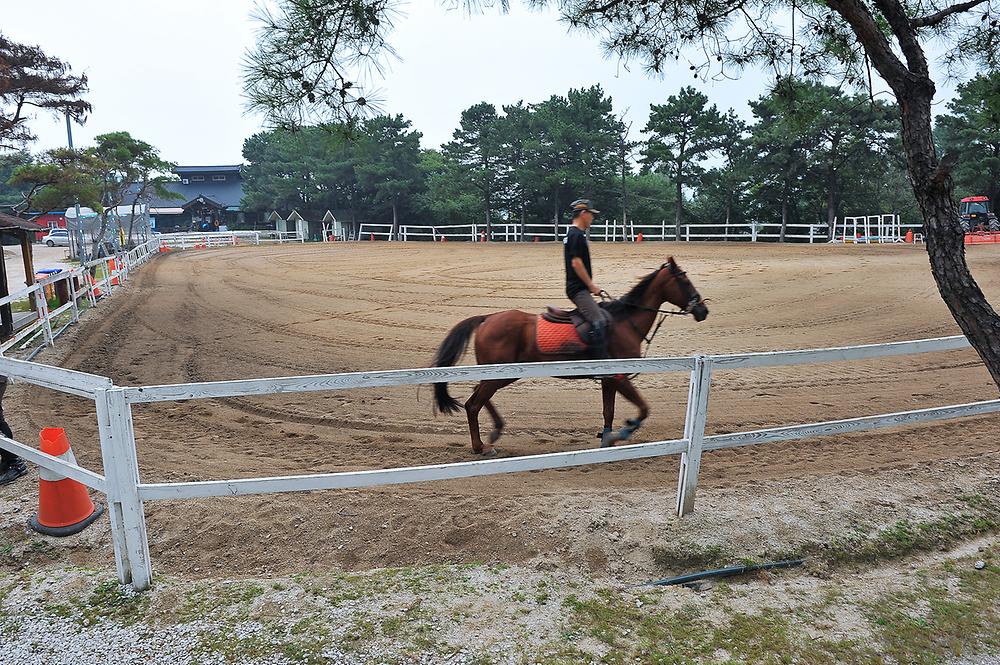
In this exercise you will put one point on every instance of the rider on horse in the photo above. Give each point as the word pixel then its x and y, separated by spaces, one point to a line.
pixel 579 277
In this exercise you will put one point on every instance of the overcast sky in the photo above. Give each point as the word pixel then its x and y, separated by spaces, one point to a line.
pixel 169 72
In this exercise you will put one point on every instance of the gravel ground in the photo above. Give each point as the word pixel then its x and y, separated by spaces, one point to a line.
pixel 470 614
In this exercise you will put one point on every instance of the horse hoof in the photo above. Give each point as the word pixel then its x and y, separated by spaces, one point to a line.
pixel 495 435
pixel 492 452
pixel 609 438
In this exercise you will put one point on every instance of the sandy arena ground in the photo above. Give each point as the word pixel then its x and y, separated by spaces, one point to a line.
pixel 274 311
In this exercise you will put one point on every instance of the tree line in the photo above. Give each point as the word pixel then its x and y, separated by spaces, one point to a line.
pixel 811 153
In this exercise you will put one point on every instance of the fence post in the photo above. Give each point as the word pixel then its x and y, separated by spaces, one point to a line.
pixel 72 296
pixel 43 313
pixel 121 470
pixel 694 432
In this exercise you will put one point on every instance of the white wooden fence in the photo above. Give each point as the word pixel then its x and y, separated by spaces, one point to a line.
pixel 208 239
pixel 126 493
pixel 609 230
pixel 78 284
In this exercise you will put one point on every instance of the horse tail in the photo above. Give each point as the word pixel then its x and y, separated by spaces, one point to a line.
pixel 451 349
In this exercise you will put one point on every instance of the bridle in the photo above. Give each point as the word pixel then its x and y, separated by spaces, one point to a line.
pixel 694 300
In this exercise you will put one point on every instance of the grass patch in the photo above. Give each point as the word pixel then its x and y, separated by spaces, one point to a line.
pixel 238 642
pixel 907 537
pixel 935 622
pixel 204 601
pixel 930 622
pixel 977 515
pixel 111 600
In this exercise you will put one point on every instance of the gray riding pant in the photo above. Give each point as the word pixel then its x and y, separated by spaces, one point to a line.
pixel 589 308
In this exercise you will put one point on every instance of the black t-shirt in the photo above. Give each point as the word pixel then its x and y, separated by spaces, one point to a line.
pixel 575 244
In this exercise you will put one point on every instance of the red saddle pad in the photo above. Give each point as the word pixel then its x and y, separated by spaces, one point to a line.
pixel 558 337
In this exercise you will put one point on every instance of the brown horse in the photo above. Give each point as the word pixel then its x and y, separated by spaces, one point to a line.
pixel 509 337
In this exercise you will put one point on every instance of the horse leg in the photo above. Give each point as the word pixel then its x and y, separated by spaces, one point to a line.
pixel 629 392
pixel 497 422
pixel 608 393
pixel 481 397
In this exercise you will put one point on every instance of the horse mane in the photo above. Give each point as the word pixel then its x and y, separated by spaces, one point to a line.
pixel 624 305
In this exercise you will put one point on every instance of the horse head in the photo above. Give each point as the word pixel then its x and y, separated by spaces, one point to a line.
pixel 677 289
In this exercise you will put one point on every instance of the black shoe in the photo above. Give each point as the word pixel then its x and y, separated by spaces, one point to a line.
pixel 16 469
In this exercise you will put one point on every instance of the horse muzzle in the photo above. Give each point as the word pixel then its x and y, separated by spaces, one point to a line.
pixel 699 312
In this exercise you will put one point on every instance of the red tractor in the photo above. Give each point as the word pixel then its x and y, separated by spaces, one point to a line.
pixel 975 214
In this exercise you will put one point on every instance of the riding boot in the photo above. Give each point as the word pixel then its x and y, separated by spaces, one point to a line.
pixel 598 342
pixel 13 470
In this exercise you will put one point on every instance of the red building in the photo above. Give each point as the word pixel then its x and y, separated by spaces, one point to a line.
pixel 55 219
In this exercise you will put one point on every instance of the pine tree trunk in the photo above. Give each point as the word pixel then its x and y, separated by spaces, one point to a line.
pixel 523 220
pixel 678 211
pixel 489 219
pixel 784 218
pixel 943 234
pixel 395 223
pixel 555 215
pixel 832 201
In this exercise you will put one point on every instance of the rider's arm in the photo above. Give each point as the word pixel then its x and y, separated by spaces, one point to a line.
pixel 581 272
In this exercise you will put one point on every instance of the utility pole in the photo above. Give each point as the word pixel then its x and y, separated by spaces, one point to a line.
pixel 75 243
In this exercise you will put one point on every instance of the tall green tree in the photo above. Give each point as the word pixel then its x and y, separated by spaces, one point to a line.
pixel 683 133
pixel 310 170
pixel 388 165
pixel 785 140
pixel 475 148
pixel 856 136
pixel 972 131
pixel 122 163
pixel 447 199
pixel 575 150
pixel 724 188
pixel 516 147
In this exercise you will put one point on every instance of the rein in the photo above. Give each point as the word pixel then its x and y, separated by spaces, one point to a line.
pixel 664 313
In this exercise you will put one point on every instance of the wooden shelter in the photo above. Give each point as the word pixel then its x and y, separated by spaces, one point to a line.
pixel 23 230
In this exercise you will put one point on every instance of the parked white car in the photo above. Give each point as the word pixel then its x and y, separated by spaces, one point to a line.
pixel 57 237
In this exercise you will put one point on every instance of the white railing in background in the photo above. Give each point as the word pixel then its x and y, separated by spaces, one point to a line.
pixel 126 493
pixel 78 284
pixel 208 239
pixel 609 230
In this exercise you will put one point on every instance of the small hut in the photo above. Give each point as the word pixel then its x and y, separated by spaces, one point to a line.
pixel 23 230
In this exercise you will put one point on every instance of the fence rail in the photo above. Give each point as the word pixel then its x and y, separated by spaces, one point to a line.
pixel 126 493
pixel 888 229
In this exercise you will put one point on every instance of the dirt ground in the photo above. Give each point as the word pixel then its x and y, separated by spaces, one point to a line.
pixel 277 311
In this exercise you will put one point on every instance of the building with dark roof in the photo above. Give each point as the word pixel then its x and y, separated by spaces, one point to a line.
pixel 205 199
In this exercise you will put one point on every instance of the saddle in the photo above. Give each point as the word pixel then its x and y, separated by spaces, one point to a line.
pixel 561 331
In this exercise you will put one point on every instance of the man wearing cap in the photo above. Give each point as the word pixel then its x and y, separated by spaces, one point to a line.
pixel 12 467
pixel 579 281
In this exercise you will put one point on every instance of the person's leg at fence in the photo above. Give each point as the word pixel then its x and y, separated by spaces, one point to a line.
pixel 12 467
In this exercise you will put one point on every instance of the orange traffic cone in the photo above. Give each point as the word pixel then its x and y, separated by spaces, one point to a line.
pixel 64 507
pixel 638 238
pixel 97 291
pixel 909 236
pixel 112 267
pixel 371 236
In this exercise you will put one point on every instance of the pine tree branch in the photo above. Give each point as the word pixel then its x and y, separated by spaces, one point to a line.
pixel 937 17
